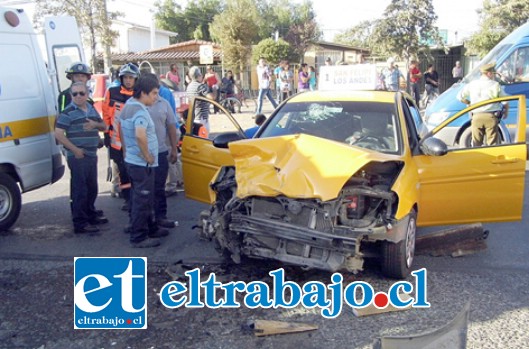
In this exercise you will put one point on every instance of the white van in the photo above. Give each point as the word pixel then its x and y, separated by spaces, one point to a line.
pixel 29 155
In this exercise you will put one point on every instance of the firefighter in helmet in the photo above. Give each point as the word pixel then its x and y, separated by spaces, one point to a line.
pixel 77 72
pixel 115 99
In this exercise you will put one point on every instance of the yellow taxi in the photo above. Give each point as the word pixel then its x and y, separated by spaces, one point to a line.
pixel 335 177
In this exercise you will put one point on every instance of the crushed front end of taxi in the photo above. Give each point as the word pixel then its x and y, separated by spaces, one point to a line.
pixel 334 232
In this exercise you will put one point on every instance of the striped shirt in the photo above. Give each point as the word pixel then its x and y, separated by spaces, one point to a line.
pixel 196 88
pixel 72 121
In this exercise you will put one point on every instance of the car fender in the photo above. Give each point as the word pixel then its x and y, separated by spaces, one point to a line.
pixel 407 188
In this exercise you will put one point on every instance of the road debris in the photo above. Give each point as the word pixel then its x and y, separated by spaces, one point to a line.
pixel 456 242
pixel 177 270
pixel 452 335
pixel 268 327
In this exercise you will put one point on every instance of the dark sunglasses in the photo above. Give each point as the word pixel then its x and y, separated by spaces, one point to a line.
pixel 82 94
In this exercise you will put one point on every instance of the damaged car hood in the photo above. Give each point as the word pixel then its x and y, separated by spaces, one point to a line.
pixel 297 166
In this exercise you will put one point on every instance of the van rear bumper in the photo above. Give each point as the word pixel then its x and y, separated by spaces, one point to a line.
pixel 58 167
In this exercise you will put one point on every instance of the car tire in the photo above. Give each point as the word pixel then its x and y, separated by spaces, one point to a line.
pixel 465 141
pixel 397 258
pixel 10 201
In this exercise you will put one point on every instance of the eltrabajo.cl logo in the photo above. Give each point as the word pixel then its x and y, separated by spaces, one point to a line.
pixel 110 292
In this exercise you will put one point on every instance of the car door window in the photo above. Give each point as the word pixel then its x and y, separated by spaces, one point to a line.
pixel 414 123
pixel 461 128
pixel 210 120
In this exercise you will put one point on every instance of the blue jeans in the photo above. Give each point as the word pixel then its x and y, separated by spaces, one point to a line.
pixel 141 201
pixel 83 189
pixel 160 177
pixel 262 93
pixel 415 93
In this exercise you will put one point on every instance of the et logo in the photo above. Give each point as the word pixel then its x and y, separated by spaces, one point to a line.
pixel 110 293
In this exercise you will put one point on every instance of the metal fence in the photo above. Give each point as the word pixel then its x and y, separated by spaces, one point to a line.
pixel 443 64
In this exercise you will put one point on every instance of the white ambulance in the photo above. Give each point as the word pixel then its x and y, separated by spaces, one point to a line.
pixel 29 155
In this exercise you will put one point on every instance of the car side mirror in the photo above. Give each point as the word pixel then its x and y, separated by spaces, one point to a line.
pixel 222 140
pixel 434 147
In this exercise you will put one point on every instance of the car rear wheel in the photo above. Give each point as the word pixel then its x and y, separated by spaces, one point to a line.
pixel 10 201
pixel 397 258
pixel 465 141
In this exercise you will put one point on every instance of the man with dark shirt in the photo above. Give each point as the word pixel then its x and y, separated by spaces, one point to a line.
pixel 431 85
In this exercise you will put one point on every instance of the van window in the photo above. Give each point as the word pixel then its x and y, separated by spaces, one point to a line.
pixel 18 68
pixel 492 56
pixel 516 67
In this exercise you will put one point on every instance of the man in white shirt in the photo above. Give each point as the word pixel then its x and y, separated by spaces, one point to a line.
pixel 457 71
pixel 485 119
pixel 264 76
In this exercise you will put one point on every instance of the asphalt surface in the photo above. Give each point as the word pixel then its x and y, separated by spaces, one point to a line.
pixel 36 286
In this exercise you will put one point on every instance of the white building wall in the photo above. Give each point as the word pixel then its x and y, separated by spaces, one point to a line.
pixel 140 40
pixel 134 39
pixel 121 43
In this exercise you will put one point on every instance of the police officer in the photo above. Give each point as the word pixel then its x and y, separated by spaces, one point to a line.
pixel 485 119
pixel 78 72
pixel 115 99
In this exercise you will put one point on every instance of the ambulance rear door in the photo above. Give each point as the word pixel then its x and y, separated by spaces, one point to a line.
pixel 64 47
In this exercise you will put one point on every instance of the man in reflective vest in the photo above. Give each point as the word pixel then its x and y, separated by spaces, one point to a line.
pixel 115 99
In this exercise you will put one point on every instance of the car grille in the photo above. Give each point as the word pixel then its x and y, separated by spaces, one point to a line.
pixel 293 212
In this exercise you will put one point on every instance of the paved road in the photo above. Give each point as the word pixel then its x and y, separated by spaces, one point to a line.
pixel 495 281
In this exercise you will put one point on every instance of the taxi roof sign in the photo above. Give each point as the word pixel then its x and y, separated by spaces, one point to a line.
pixel 348 77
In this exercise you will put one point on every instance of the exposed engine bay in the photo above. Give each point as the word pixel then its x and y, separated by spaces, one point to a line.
pixel 330 235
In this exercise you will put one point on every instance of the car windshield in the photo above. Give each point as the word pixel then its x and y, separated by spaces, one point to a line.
pixel 370 125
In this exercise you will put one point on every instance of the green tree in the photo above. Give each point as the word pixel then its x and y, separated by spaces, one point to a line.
pixel 304 30
pixel 236 29
pixel 358 36
pixel 169 16
pixel 92 18
pixel 272 51
pixel 497 19
pixel 191 22
pixel 407 27
pixel 276 16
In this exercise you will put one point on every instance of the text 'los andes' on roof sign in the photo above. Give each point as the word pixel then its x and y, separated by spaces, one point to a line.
pixel 348 77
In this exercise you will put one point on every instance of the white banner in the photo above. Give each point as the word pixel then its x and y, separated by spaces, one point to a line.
pixel 348 77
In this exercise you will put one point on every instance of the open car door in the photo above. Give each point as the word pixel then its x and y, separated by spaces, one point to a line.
pixel 200 158
pixel 475 184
